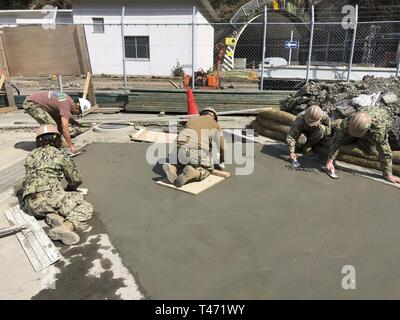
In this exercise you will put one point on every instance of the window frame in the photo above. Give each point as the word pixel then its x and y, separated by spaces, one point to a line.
pixel 99 24
pixel 136 47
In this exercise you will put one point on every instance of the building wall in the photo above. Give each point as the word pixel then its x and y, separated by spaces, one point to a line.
pixel 169 44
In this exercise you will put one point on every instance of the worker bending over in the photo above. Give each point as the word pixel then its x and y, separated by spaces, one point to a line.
pixel 44 195
pixel 194 152
pixel 53 107
pixel 369 128
pixel 314 124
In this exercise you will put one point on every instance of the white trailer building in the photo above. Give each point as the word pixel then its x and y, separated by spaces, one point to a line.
pixel 156 35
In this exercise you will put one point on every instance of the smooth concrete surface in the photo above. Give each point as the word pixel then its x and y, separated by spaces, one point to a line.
pixel 278 233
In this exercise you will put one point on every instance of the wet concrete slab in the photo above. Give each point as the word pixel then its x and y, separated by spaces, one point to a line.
pixel 277 233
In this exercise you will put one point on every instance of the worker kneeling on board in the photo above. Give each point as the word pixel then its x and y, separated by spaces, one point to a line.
pixel 44 195
pixel 194 152
pixel 314 124
pixel 369 128
pixel 53 107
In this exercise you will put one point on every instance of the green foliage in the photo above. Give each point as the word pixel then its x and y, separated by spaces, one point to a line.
pixel 178 71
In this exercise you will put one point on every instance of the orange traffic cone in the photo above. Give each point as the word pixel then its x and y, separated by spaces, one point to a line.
pixel 192 107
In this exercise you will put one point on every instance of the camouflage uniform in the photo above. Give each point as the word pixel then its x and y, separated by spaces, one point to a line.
pixel 314 134
pixel 376 139
pixel 198 159
pixel 43 192
pixel 38 113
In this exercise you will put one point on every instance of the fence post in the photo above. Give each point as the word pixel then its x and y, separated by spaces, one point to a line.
pixel 193 46
pixel 311 44
pixel 264 48
pixel 398 61
pixel 123 49
pixel 353 44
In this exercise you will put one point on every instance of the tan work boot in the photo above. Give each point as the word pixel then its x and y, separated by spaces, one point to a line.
pixel 189 174
pixel 65 233
pixel 54 220
pixel 170 171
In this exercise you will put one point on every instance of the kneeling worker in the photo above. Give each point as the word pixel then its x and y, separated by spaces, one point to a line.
pixel 314 124
pixel 370 128
pixel 44 195
pixel 53 107
pixel 194 152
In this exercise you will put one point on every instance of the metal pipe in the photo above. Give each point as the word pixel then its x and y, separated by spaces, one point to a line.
pixel 193 46
pixel 353 44
pixel 263 50
pixel 123 49
pixel 311 43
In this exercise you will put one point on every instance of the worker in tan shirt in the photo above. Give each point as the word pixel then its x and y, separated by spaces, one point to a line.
pixel 57 108
pixel 194 152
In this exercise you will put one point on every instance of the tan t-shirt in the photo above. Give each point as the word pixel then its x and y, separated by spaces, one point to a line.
pixel 200 132
pixel 57 104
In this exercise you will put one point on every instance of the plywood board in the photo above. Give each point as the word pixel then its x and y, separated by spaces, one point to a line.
pixel 146 135
pixel 39 249
pixel 34 51
pixel 194 187
pixel 8 109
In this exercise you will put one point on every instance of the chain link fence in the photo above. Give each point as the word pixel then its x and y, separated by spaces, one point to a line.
pixel 170 54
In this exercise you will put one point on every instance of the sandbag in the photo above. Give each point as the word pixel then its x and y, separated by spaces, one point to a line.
pixel 277 115
pixel 273 125
pixel 354 150
pixel 273 134
pixel 357 160
pixel 267 132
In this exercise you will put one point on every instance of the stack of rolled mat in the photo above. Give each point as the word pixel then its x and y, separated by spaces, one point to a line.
pixel 275 124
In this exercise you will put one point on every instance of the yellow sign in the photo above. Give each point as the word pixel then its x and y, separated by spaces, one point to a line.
pixel 230 41
pixel 229 53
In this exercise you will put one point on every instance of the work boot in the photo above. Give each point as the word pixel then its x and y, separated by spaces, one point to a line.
pixel 189 174
pixel 54 220
pixel 170 171
pixel 307 151
pixel 65 233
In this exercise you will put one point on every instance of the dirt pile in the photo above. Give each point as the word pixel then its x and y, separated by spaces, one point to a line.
pixel 341 99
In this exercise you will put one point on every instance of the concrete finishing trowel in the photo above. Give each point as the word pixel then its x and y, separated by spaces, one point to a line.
pixel 295 163
pixel 330 173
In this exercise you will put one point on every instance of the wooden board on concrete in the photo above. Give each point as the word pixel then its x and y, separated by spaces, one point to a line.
pixel 146 135
pixel 8 109
pixel 194 187
pixel 39 249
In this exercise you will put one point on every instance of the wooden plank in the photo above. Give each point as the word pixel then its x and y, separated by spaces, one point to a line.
pixel 85 60
pixel 39 249
pixel 4 66
pixel 146 135
pixel 2 79
pixel 194 187
pixel 8 109
pixel 37 266
pixel 87 84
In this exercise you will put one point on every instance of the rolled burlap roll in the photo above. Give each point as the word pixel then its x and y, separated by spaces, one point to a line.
pixel 277 115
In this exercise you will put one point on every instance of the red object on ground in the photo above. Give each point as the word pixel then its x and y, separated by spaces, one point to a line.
pixel 191 103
